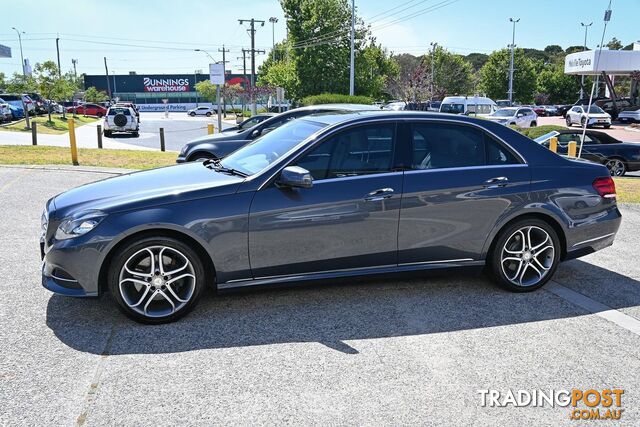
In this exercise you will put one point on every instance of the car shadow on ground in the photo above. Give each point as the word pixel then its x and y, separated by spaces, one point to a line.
pixel 330 314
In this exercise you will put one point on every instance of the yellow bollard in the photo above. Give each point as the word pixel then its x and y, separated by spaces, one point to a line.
pixel 572 149
pixel 553 144
pixel 72 139
pixel 210 128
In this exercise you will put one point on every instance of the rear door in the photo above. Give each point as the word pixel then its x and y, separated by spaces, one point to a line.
pixel 461 181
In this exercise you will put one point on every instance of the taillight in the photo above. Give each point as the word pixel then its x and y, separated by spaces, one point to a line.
pixel 605 186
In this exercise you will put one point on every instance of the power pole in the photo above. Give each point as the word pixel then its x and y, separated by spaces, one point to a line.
pixel 58 52
pixel 511 69
pixel 224 72
pixel 244 69
pixel 106 73
pixel 252 33
pixel 352 74
pixel 273 21
pixel 586 28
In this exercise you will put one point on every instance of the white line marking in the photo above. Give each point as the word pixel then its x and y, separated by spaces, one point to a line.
pixel 611 314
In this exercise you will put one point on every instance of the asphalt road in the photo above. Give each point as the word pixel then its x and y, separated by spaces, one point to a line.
pixel 179 129
pixel 376 352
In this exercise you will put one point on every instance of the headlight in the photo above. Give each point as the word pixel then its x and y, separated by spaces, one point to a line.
pixel 44 221
pixel 79 225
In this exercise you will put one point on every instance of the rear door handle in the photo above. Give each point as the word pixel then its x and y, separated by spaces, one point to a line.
pixel 500 181
pixel 377 195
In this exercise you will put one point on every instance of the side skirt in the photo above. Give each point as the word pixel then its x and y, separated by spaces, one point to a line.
pixel 355 272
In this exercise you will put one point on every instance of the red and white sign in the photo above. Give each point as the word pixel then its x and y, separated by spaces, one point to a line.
pixel 165 85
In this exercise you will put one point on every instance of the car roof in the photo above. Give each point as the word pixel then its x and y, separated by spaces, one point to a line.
pixel 345 107
pixel 331 118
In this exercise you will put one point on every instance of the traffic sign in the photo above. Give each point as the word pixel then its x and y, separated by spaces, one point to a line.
pixel 216 74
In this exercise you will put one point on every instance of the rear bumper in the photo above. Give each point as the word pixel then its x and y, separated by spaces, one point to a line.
pixel 591 237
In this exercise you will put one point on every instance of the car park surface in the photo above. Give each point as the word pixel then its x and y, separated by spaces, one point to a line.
pixel 382 351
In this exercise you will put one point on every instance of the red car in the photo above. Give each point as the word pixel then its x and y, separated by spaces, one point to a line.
pixel 539 110
pixel 89 110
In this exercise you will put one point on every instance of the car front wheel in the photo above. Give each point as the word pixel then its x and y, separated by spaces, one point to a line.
pixel 568 119
pixel 156 280
pixel 525 255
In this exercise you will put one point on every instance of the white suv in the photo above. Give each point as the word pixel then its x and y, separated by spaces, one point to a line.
pixel 201 111
pixel 523 117
pixel 121 119
pixel 597 117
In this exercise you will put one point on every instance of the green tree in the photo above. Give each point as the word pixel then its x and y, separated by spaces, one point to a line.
pixel 477 60
pixel 21 84
pixel 453 74
pixel 494 76
pixel 3 82
pixel 283 74
pixel 373 70
pixel 561 88
pixel 94 95
pixel 614 44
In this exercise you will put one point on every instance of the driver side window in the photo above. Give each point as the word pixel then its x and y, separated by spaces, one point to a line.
pixel 361 151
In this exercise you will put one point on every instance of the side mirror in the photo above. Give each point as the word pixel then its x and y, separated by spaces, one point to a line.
pixel 295 177
pixel 520 115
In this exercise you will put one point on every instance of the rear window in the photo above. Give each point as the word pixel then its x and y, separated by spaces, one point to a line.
pixel 114 111
pixel 11 97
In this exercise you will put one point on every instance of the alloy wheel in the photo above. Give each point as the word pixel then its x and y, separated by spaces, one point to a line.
pixel 527 256
pixel 157 281
pixel 616 167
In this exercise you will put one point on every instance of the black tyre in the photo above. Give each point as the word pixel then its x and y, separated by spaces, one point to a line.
pixel 208 114
pixel 607 126
pixel 120 120
pixel 156 279
pixel 525 255
pixel 107 133
pixel 568 119
pixel 192 114
pixel 136 134
pixel 533 124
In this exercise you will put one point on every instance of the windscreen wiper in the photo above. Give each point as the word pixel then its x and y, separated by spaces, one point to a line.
pixel 217 166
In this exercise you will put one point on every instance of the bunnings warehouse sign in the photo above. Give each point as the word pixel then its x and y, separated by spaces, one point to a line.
pixel 165 85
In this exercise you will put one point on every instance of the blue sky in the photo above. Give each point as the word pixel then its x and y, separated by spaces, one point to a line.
pixel 166 32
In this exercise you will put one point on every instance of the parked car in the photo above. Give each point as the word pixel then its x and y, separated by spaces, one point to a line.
pixel 550 110
pixel 395 106
pixel 434 106
pixel 477 105
pixel 55 107
pixel 88 109
pixel 613 109
pixel 38 102
pixel 202 111
pixel 523 117
pixel 20 101
pixel 600 147
pixel 630 115
pixel 219 145
pixel 121 120
pixel 5 112
pixel 597 117
pixel 16 112
pixel 328 196
pixel 250 122
pixel 539 110
pixel 502 103
pixel 562 110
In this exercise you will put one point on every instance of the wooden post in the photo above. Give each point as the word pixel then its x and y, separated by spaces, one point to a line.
pixel 99 136
pixel 553 144
pixel 161 139
pixel 72 140
pixel 572 149
pixel 34 133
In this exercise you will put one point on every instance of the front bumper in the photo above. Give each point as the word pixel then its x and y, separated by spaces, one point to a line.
pixel 601 122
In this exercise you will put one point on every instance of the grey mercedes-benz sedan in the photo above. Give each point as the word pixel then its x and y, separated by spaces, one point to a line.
pixel 328 196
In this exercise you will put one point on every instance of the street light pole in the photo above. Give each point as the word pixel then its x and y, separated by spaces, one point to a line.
pixel 586 28
pixel 24 74
pixel 511 69
pixel 273 21
pixel 353 36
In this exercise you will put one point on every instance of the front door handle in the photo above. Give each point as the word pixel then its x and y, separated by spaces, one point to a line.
pixel 377 195
pixel 500 181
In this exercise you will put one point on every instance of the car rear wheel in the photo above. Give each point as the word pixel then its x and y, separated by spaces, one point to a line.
pixel 525 255
pixel 533 124
pixel 616 167
pixel 107 133
pixel 156 280
pixel 208 114
pixel 192 114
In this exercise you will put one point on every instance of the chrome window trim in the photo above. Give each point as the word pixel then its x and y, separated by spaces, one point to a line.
pixel 328 131
pixel 519 165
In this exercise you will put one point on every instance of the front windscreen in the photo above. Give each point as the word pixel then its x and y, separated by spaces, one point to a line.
pixel 265 150
pixel 452 108
pixel 504 113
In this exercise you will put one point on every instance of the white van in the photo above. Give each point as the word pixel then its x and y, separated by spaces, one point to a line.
pixel 479 105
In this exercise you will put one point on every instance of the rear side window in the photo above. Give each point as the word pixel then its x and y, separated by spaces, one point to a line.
pixel 440 145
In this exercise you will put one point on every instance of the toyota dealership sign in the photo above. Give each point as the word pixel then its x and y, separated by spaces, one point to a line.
pixel 165 85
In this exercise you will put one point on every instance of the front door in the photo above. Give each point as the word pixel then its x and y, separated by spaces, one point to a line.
pixel 347 220
pixel 462 181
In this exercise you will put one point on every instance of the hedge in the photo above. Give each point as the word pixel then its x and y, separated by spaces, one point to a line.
pixel 336 98
pixel 537 131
